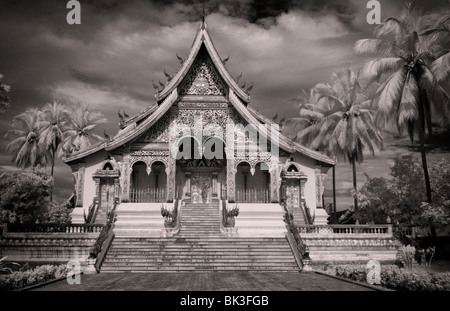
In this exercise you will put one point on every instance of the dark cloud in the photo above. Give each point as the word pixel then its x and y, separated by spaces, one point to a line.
pixel 110 60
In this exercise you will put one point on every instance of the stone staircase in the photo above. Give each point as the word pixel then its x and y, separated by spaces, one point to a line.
pixel 200 220
pixel 101 215
pixel 199 247
pixel 199 255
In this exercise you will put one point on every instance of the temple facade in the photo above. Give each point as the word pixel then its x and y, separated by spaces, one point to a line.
pixel 200 143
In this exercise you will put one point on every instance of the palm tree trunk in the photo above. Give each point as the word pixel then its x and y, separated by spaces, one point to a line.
pixel 334 195
pixel 355 199
pixel 51 173
pixel 424 159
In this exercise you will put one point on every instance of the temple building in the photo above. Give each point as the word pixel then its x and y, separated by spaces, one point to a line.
pixel 201 144
pixel 199 182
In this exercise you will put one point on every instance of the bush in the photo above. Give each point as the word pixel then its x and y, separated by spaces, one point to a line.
pixel 396 278
pixel 20 279
pixel 58 213
pixel 25 195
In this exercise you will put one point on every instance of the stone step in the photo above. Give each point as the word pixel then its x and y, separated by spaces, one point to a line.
pixel 200 246
pixel 194 215
pixel 205 223
pixel 198 252
pixel 200 260
pixel 184 260
pixel 184 232
pixel 211 248
pixel 197 205
pixel 135 268
pixel 203 264
pixel 200 227
pixel 189 207
pixel 197 269
pixel 200 240
pixel 200 221
pixel 201 255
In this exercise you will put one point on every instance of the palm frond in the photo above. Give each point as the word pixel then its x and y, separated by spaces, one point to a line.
pixel 441 67
pixel 367 46
pixel 391 91
pixel 376 67
pixel 408 103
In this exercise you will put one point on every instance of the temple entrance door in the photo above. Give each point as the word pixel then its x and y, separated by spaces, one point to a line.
pixel 201 186
pixel 292 194
pixel 106 194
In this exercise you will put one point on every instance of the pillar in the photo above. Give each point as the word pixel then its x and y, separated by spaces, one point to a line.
pixel 188 184
pixel 171 172
pixel 125 178
pixel 97 189
pixel 116 189
pixel 283 190
pixel 320 215
pixel 274 188
pixel 231 179
pixel 79 184
pixel 214 184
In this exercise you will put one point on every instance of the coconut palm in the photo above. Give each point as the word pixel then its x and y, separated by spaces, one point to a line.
pixel 79 134
pixel 25 146
pixel 413 59
pixel 305 128
pixel 344 120
pixel 53 120
pixel 4 96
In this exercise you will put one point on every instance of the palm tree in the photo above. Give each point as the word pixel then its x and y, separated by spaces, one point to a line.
pixel 305 128
pixel 54 117
pixel 79 134
pixel 413 59
pixel 25 147
pixel 4 97
pixel 344 122
pixel 52 120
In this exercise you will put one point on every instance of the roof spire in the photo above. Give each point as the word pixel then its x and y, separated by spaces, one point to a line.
pixel 203 15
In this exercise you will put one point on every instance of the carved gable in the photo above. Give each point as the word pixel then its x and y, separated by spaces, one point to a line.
pixel 158 133
pixel 202 78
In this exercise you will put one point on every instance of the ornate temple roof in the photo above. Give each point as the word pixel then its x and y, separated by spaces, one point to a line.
pixel 133 127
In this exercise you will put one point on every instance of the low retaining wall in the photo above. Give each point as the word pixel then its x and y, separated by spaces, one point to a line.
pixel 259 220
pixel 351 243
pixel 140 219
pixel 47 247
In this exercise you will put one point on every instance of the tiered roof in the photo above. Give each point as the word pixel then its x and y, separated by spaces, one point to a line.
pixel 133 127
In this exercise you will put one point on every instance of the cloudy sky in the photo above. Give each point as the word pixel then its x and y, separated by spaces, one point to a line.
pixel 110 60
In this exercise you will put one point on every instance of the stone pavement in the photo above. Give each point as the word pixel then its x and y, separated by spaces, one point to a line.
pixel 219 281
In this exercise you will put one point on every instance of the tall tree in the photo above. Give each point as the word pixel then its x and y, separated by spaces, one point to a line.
pixel 4 96
pixel 305 128
pixel 25 146
pixel 413 59
pixel 79 134
pixel 343 120
pixel 53 120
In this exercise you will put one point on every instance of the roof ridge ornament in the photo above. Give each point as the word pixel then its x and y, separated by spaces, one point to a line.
pixel 203 17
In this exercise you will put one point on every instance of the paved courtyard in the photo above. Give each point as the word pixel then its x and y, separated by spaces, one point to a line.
pixel 239 281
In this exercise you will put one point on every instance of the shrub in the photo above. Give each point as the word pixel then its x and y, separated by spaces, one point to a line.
pixel 407 255
pixel 58 213
pixel 396 278
pixel 25 195
pixel 20 279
